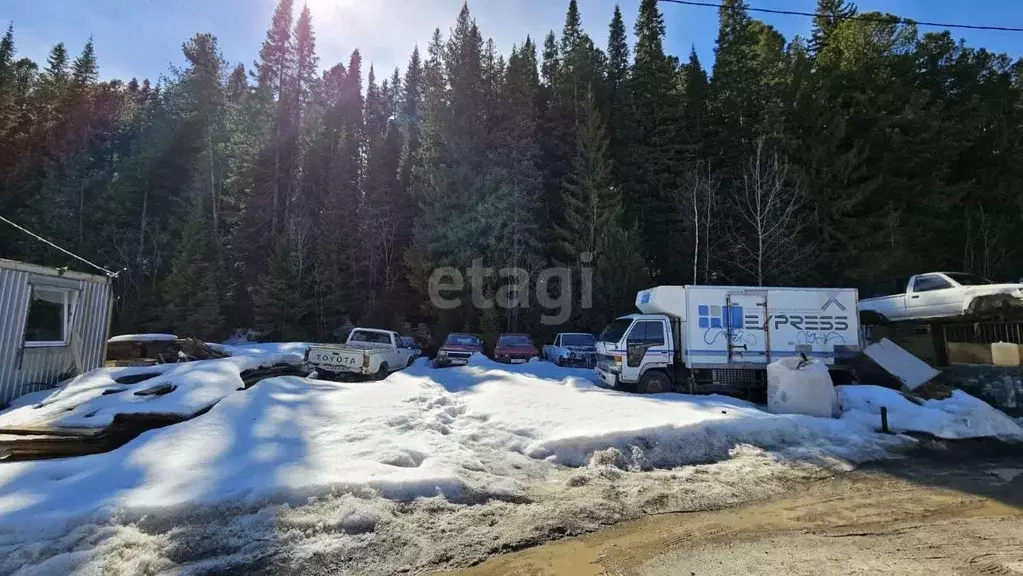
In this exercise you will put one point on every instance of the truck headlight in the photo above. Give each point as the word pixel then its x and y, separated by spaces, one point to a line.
pixel 616 364
pixel 442 353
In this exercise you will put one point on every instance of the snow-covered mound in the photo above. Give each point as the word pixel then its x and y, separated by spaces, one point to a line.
pixel 152 337
pixel 961 416
pixel 480 432
pixel 91 400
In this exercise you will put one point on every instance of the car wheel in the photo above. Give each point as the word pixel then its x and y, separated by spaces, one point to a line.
pixel 654 382
pixel 382 372
pixel 410 362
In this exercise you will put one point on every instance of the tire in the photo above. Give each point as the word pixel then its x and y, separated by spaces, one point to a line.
pixel 654 382
pixel 382 372
pixel 871 318
pixel 410 362
pixel 558 362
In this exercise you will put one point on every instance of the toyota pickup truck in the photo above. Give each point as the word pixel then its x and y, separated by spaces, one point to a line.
pixel 368 353
pixel 572 348
pixel 939 295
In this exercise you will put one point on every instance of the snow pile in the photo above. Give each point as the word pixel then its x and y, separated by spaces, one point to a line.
pixel 296 349
pixel 960 416
pixel 91 400
pixel 532 410
pixel 143 338
pixel 481 433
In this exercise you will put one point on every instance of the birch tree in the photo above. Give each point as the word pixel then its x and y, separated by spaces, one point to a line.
pixel 767 222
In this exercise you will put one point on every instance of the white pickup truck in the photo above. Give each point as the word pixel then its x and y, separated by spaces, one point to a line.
pixel 368 353
pixel 939 295
pixel 571 348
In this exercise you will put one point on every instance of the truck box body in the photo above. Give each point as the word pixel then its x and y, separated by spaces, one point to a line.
pixel 749 327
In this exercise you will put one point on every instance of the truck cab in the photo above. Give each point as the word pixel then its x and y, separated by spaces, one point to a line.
pixel 638 349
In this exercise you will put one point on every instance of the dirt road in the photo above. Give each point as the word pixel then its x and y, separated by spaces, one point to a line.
pixel 945 512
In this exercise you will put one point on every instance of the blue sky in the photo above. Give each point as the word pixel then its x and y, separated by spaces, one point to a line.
pixel 143 37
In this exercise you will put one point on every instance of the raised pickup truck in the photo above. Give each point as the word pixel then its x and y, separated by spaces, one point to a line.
pixel 939 295
pixel 367 353
pixel 572 348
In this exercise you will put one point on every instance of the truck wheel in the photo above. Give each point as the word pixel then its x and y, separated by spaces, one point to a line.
pixel 382 373
pixel 410 362
pixel 557 361
pixel 654 382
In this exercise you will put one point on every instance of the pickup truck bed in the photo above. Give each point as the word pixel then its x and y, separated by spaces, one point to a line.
pixel 378 358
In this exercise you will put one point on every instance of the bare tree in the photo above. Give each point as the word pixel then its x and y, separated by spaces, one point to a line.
pixel 767 231
pixel 696 201
pixel 985 252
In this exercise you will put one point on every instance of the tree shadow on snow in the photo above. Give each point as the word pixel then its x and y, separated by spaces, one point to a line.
pixel 175 482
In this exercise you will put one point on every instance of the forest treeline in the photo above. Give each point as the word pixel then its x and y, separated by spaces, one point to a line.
pixel 290 197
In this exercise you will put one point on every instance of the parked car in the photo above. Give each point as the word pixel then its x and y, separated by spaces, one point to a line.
pixel 457 349
pixel 572 349
pixel 939 295
pixel 410 343
pixel 368 352
pixel 515 349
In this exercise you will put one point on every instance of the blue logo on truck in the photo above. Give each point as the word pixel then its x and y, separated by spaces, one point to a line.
pixel 719 316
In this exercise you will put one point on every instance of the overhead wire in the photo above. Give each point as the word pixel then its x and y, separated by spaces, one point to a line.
pixel 68 252
pixel 859 17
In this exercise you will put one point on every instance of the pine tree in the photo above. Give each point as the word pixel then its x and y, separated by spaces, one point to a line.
pixel 279 302
pixel 85 70
pixel 651 173
pixel 830 13
pixel 616 105
pixel 592 233
pixel 56 64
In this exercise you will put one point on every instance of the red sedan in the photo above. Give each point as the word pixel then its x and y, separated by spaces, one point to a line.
pixel 457 349
pixel 515 348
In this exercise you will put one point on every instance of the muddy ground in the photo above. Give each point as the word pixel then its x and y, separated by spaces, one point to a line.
pixel 948 509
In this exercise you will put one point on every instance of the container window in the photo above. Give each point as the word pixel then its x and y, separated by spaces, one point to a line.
pixel 47 317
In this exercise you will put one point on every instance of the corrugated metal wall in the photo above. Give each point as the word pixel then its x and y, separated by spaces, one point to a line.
pixel 24 370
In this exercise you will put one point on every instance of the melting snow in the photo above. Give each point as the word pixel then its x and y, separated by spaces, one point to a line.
pixel 482 432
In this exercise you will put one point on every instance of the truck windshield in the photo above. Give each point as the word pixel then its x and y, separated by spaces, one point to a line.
pixel 615 330
pixel 578 340
pixel 370 337
pixel 515 340
pixel 462 340
pixel 964 279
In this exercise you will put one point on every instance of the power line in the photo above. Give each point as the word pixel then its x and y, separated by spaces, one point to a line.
pixel 860 17
pixel 45 241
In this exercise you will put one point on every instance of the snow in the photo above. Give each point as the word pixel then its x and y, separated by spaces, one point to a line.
pixel 81 402
pixel 143 338
pixel 339 456
pixel 958 417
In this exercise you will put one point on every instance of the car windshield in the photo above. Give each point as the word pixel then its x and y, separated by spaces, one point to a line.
pixel 578 340
pixel 615 330
pixel 964 279
pixel 370 337
pixel 462 340
pixel 515 340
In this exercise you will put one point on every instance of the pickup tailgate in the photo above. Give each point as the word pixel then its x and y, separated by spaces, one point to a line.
pixel 336 358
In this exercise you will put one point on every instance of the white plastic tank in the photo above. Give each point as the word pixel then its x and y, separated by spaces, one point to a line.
pixel 1004 354
pixel 670 300
pixel 795 386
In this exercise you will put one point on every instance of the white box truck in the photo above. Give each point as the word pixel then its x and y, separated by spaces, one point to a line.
pixel 720 338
